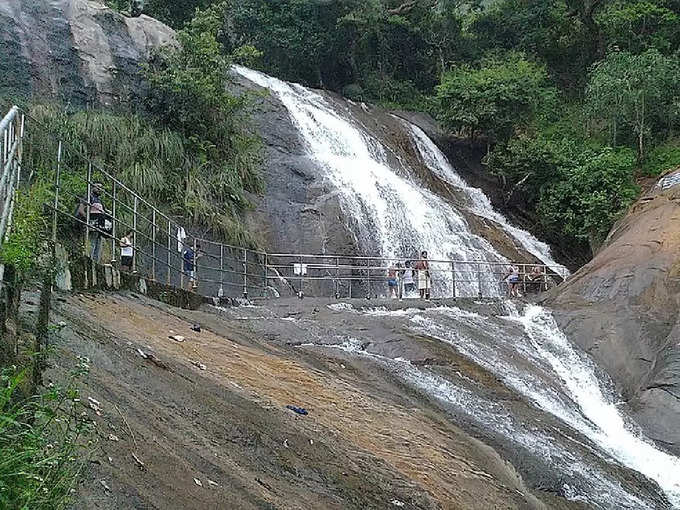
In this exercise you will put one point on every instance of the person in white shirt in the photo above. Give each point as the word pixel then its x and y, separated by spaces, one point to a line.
pixel 409 281
pixel 126 251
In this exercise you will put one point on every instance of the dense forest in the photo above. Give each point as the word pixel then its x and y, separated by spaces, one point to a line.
pixel 574 99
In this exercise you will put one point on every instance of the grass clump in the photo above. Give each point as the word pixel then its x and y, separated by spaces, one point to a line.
pixel 41 443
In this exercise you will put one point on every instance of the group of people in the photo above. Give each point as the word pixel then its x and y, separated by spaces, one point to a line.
pixel 403 280
pixel 100 226
pixel 533 280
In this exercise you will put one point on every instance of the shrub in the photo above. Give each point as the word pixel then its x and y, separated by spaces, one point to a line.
pixel 40 444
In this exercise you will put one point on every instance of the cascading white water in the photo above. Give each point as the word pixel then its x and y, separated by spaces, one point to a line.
pixel 561 381
pixel 582 480
pixel 390 213
pixel 480 204
pixel 393 214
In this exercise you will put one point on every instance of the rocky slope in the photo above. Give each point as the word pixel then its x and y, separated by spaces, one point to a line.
pixel 371 439
pixel 622 308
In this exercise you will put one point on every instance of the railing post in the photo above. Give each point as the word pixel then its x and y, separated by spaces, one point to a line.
pixel 245 274
pixel 169 251
pixel 194 283
pixel 153 245
pixel 220 292
pixel 302 282
pixel 524 279
pixel 453 280
pixel 368 276
pixel 21 146
pixel 352 268
pixel 88 248
pixel 337 278
pixel 266 276
pixel 479 280
pixel 113 222
pixel 57 180
pixel 134 234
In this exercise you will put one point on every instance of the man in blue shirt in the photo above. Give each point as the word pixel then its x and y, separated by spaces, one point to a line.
pixel 190 257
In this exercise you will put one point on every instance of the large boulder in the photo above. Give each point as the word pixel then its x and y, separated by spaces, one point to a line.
pixel 76 50
pixel 622 308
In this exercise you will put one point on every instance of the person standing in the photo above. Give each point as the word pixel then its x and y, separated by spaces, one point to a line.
pixel 97 216
pixel 409 281
pixel 424 281
pixel 190 258
pixel 392 281
pixel 126 251
pixel 512 279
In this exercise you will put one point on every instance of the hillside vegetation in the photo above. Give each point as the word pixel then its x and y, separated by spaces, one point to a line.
pixel 574 99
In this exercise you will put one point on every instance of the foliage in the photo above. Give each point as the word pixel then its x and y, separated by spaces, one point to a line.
pixel 662 158
pixel 297 37
pixel 590 195
pixel 635 95
pixel 638 26
pixel 23 248
pixel 174 14
pixel 188 92
pixel 577 190
pixel 40 437
pixel 493 99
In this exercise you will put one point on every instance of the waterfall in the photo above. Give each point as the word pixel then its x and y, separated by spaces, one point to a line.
pixel 540 363
pixel 387 210
pixel 480 204
pixel 572 422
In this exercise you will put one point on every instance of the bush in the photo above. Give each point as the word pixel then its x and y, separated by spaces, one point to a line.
pixel 662 158
pixel 577 190
pixel 188 92
pixel 492 99
pixel 22 249
pixel 40 456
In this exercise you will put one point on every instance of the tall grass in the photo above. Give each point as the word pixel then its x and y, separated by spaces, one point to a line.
pixel 40 444
pixel 157 162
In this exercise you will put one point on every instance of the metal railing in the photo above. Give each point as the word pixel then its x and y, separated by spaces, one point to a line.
pixel 371 277
pixel 160 251
pixel 11 152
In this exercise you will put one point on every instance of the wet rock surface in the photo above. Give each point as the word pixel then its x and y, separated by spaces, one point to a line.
pixel 622 308
pixel 375 432
pixel 75 50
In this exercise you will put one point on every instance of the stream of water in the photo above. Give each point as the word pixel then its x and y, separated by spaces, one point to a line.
pixel 388 211
pixel 391 212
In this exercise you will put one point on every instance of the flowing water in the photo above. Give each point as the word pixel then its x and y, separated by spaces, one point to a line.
pixel 578 428
pixel 388 211
pixel 525 349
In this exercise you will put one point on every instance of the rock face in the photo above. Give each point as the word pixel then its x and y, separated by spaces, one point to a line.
pixel 298 213
pixel 622 308
pixel 75 50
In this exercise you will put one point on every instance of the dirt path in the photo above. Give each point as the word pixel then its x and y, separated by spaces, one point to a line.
pixel 366 443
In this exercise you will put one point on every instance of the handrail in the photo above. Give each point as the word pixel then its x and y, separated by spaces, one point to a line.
pixel 159 254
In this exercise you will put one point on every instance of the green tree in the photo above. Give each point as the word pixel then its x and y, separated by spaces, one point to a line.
pixel 635 95
pixel 550 30
pixel 494 98
pixel 577 190
pixel 297 37
pixel 637 26
pixel 590 194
